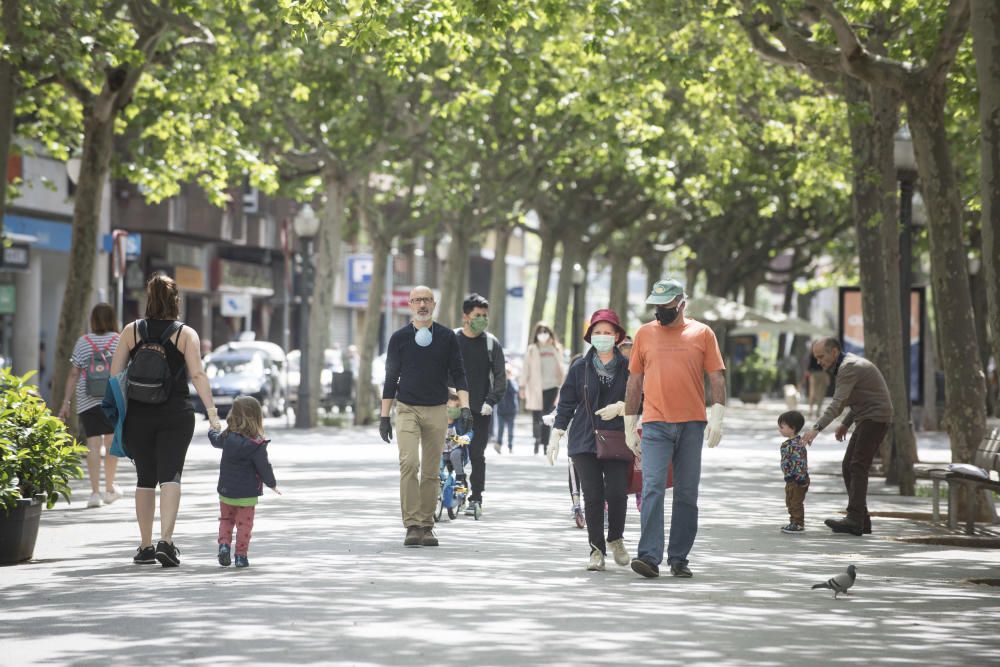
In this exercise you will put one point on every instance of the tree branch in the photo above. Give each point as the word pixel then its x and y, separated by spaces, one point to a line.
pixel 952 35
pixel 856 59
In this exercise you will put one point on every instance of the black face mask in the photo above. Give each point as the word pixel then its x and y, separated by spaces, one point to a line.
pixel 666 316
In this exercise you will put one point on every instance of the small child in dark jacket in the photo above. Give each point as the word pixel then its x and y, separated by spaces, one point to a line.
pixel 506 412
pixel 795 467
pixel 243 472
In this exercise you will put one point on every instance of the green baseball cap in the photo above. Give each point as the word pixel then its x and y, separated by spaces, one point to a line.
pixel 665 291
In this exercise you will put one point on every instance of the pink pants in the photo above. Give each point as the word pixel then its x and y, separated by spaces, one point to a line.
pixel 242 519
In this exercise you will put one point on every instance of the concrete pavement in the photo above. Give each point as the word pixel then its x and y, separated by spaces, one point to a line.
pixel 330 582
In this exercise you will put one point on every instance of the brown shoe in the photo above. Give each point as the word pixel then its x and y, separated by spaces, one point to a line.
pixel 428 539
pixel 414 535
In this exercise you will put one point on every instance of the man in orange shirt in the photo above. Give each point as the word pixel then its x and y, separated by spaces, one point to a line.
pixel 667 368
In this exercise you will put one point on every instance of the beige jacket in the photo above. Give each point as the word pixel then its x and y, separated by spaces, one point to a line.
pixel 531 376
pixel 862 389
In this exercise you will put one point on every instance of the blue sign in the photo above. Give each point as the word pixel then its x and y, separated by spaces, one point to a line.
pixel 133 246
pixel 49 235
pixel 516 292
pixel 359 278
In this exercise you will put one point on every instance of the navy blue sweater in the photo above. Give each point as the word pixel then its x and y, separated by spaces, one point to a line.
pixel 244 469
pixel 417 375
pixel 580 439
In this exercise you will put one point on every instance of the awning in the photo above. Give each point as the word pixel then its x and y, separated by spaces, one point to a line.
pixel 742 320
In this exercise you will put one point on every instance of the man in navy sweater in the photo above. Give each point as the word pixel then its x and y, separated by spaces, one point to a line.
pixel 421 359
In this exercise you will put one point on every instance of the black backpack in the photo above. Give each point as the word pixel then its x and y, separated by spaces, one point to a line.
pixel 149 376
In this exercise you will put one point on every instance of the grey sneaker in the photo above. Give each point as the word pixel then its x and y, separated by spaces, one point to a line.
pixel 596 563
pixel 681 570
pixel 414 536
pixel 792 529
pixel 618 550
pixel 645 568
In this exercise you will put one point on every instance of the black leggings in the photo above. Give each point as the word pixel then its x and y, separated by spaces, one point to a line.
pixel 603 480
pixel 157 437
pixel 541 430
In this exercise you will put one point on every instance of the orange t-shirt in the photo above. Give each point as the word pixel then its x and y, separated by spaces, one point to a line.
pixel 673 361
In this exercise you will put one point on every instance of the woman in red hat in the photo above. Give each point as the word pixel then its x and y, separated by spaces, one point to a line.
pixel 592 398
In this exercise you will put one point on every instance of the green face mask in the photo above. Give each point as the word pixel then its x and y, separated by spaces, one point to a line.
pixel 454 413
pixel 479 323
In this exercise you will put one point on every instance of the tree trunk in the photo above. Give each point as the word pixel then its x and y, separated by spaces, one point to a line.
pixel 9 88
pixel 788 303
pixel 498 281
pixel 986 46
pixel 965 388
pixel 545 260
pixel 456 279
pixel 619 283
pixel 329 240
pixel 368 398
pixel 96 162
pixel 564 290
pixel 653 263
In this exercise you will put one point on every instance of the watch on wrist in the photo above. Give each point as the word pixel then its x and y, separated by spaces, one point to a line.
pixel 816 428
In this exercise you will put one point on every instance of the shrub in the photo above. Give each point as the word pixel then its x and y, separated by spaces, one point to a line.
pixel 757 375
pixel 37 452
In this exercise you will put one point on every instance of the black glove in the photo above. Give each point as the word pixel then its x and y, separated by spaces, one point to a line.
pixel 465 421
pixel 385 429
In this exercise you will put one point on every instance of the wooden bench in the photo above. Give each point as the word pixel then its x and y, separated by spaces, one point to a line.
pixel 987 457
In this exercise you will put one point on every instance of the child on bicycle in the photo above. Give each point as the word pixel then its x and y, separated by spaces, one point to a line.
pixel 243 472
pixel 456 444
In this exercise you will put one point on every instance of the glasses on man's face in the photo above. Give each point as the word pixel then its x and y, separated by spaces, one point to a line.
pixel 418 300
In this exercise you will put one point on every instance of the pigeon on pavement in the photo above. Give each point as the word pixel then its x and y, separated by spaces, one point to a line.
pixel 841 582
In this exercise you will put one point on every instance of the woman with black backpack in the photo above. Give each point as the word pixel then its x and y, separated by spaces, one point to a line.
pixel 88 378
pixel 161 353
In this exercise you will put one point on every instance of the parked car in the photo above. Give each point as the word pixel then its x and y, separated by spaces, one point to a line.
pixel 336 384
pixel 250 372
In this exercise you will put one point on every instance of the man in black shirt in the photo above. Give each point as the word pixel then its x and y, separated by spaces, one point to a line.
pixel 420 360
pixel 487 378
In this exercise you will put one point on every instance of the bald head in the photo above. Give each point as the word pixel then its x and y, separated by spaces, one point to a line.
pixel 422 303
pixel 826 350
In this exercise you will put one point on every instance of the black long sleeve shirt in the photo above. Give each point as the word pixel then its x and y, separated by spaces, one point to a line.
pixel 421 375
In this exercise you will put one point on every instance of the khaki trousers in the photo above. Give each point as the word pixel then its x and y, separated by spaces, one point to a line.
pixel 795 498
pixel 420 434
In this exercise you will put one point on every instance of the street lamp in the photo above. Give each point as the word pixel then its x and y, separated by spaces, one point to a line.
pixel 306 225
pixel 579 275
pixel 906 170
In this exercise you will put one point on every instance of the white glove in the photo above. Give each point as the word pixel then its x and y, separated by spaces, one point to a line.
pixel 463 440
pixel 486 410
pixel 631 437
pixel 553 447
pixel 611 410
pixel 549 419
pixel 213 419
pixel 713 434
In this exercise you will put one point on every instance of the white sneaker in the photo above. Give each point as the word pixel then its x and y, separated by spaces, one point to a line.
pixel 618 549
pixel 596 563
pixel 95 500
pixel 111 496
pixel 497 447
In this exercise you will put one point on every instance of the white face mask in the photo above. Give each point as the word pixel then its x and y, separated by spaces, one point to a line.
pixel 423 337
pixel 542 337
pixel 602 342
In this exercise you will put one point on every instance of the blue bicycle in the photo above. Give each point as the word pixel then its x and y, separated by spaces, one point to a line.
pixel 454 493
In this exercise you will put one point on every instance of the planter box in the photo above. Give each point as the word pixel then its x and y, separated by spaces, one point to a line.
pixel 19 529
pixel 751 397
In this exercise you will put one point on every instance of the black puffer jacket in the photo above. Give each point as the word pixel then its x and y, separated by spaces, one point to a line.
pixel 244 469
pixel 572 408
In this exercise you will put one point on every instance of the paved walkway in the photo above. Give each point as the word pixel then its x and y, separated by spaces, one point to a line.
pixel 330 582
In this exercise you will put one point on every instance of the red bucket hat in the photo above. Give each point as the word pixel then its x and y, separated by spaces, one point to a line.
pixel 609 316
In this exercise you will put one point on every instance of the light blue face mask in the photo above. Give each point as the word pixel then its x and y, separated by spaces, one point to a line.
pixel 423 337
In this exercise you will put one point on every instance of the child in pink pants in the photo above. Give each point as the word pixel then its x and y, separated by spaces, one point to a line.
pixel 243 473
